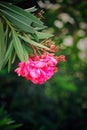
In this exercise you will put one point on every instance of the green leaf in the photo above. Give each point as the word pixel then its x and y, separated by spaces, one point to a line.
pixel 8 53
pixel 42 35
pixel 29 10
pixel 13 126
pixel 9 63
pixel 28 40
pixel 14 57
pixel 2 44
pixel 26 53
pixel 18 48
pixel 18 21
pixel 22 17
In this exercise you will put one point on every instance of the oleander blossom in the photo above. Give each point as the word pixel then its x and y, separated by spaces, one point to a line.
pixel 40 68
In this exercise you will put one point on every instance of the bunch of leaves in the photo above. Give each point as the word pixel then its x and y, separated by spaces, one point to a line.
pixel 19 31
pixel 6 123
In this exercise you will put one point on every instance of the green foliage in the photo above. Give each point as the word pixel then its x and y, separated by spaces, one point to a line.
pixel 20 18
pixel 6 123
pixel 19 24
pixel 2 45
pixel 62 85
pixel 18 47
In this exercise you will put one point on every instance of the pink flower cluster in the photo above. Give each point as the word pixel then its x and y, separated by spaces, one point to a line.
pixel 38 69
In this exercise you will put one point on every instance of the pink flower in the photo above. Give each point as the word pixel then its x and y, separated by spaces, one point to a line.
pixel 38 69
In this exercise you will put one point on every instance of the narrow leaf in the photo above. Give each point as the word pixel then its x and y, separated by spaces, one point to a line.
pixel 9 63
pixel 33 42
pixel 2 44
pixel 42 35
pixel 29 10
pixel 17 21
pixel 8 53
pixel 22 13
pixel 18 47
pixel 26 53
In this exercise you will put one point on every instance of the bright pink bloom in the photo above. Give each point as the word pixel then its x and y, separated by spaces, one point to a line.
pixel 38 69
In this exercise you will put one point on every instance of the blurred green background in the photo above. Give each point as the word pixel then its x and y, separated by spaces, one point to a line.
pixel 61 103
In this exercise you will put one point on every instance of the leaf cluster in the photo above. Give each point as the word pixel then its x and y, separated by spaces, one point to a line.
pixel 20 30
pixel 6 123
